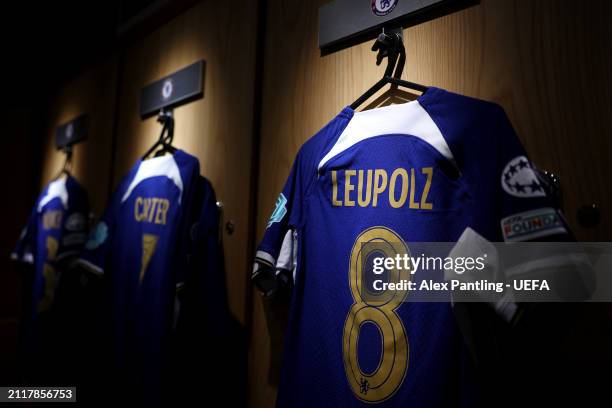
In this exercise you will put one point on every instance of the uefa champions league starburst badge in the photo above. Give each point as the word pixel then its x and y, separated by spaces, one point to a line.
pixel 520 180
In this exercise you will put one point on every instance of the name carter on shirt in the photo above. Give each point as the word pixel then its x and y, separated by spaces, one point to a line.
pixel 404 187
pixel 151 209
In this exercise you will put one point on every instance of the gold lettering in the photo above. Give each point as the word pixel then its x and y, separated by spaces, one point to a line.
pixel 153 209
pixel 348 187
pixel 335 201
pixel 137 203
pixel 162 207
pixel 371 183
pixel 380 184
pixel 146 207
pixel 404 191
pixel 368 190
pixel 413 204
pixel 159 212
pixel 429 172
pixel 166 211
pixel 52 247
pixel 52 219
pixel 149 243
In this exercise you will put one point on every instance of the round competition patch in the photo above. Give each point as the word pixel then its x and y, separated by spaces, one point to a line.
pixel 518 179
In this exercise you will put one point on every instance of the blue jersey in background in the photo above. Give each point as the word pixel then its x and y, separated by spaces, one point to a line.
pixel 141 246
pixel 56 230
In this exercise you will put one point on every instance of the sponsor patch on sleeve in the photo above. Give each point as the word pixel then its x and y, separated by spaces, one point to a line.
pixel 97 236
pixel 530 225
pixel 279 210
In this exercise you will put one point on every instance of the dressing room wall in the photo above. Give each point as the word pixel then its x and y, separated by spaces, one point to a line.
pixel 528 56
pixel 93 93
pixel 217 128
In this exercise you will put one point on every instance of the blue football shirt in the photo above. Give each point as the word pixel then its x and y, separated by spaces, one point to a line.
pixel 141 246
pixel 423 171
pixel 56 230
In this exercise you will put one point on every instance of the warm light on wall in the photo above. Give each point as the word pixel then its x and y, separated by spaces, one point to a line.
pixel 53 159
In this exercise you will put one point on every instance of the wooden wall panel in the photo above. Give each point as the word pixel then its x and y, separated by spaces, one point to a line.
pixel 547 63
pixel 93 93
pixel 218 128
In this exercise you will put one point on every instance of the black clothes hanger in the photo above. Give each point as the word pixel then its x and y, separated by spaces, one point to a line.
pixel 67 162
pixel 165 138
pixel 391 46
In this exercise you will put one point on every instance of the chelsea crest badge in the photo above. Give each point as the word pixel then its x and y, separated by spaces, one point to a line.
pixel 383 7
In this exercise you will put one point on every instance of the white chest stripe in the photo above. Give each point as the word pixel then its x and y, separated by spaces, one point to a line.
pixel 405 119
pixel 157 166
pixel 57 189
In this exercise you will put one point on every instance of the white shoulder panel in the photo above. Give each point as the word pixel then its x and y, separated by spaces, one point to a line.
pixel 155 167
pixel 57 188
pixel 404 119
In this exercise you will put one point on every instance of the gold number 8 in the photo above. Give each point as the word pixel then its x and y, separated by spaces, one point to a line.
pixel 379 310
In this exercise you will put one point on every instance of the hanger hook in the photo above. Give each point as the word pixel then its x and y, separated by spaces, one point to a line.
pixel 389 45
pixel 166 118
pixel 68 161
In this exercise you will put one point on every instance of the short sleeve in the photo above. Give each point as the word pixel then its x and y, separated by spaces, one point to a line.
pixel 526 209
pixel 96 251
pixel 509 200
pixel 74 226
pixel 287 215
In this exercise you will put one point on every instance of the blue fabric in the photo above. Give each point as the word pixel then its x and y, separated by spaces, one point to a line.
pixel 317 370
pixel 143 244
pixel 57 228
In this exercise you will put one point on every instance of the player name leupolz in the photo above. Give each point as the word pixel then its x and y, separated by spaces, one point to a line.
pixel 401 188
